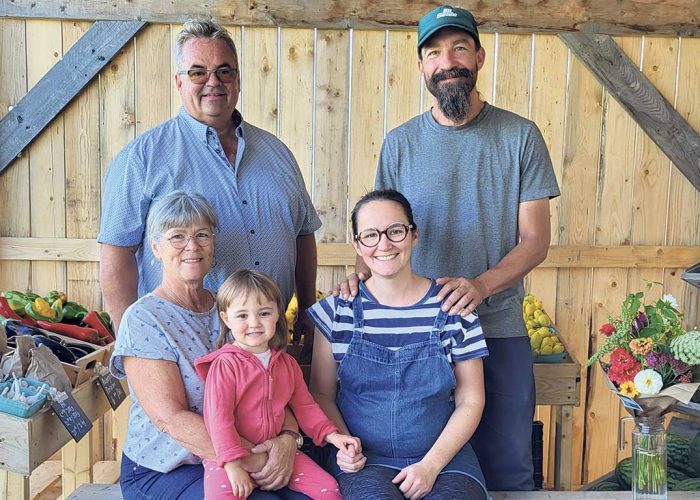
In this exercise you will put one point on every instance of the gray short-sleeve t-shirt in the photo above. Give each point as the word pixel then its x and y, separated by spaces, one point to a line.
pixel 465 185
pixel 154 328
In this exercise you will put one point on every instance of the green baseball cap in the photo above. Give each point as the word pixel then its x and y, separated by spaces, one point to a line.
pixel 443 17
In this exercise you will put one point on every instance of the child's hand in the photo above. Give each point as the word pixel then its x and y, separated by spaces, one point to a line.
pixel 344 442
pixel 241 483
pixel 349 457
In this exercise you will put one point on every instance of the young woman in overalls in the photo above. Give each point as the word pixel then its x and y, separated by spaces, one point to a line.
pixel 394 370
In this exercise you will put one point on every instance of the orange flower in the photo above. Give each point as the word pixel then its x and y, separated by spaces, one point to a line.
pixel 641 346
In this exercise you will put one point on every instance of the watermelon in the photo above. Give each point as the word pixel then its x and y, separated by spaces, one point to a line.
pixel 694 458
pixel 623 472
pixel 606 485
pixel 678 454
pixel 675 474
pixel 692 484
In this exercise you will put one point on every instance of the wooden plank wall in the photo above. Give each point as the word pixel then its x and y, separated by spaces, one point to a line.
pixel 332 95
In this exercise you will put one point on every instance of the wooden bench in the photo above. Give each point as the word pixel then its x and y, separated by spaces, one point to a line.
pixel 97 492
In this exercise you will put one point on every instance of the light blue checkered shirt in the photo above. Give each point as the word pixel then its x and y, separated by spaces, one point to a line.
pixel 261 202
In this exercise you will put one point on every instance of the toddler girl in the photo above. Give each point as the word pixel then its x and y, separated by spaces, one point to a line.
pixel 249 381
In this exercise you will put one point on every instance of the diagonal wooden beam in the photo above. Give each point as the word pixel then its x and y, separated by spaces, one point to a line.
pixel 94 50
pixel 636 94
pixel 668 17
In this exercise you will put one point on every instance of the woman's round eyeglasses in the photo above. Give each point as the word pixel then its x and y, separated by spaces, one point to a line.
pixel 181 240
pixel 395 233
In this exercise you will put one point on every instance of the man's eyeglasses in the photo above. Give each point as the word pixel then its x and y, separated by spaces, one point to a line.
pixel 181 240
pixel 201 75
pixel 395 233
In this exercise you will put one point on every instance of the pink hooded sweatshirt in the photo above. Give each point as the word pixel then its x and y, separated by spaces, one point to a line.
pixel 243 399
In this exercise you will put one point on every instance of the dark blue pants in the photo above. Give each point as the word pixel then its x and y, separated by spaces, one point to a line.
pixel 184 483
pixel 503 440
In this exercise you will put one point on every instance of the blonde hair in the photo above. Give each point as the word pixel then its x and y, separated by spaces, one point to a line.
pixel 245 283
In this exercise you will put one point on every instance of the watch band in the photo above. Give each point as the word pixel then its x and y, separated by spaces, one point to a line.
pixel 297 437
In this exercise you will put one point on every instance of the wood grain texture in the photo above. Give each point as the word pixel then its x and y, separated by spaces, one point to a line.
pixel 548 110
pixel 331 147
pixel 593 16
pixel 15 213
pixel 366 110
pixel 46 158
pixel 637 94
pixel 20 126
pixel 296 97
pixel 259 78
pixel 343 254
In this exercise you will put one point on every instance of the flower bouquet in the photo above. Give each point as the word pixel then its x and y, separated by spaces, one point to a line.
pixel 648 360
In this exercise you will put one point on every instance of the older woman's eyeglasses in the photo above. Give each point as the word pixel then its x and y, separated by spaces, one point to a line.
pixel 395 233
pixel 181 240
pixel 199 76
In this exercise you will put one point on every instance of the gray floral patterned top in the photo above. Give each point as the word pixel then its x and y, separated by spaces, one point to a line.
pixel 154 328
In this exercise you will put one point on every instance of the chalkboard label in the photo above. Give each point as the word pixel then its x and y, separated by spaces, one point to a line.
pixel 112 389
pixel 72 416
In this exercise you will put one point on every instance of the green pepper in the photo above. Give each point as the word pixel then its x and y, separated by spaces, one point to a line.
pixel 31 296
pixel 40 310
pixel 16 305
pixel 54 295
pixel 73 311
pixel 108 321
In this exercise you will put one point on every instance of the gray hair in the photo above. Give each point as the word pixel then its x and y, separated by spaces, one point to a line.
pixel 179 209
pixel 202 28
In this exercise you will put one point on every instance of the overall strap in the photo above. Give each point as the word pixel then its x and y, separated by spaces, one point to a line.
pixel 439 325
pixel 358 316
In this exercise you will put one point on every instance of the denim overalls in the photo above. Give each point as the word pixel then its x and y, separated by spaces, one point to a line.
pixel 398 402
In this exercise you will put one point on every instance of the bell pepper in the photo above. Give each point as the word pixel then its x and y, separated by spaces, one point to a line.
pixel 6 310
pixel 57 306
pixel 107 320
pixel 73 312
pixel 40 310
pixel 94 320
pixel 54 295
pixel 72 331
pixel 31 296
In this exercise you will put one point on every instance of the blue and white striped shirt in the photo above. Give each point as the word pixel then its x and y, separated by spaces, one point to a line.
pixel 262 203
pixel 395 327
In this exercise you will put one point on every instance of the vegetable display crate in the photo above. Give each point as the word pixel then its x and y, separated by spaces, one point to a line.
pixel 25 443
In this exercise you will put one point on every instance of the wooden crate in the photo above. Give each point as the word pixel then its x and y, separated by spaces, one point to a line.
pixel 26 443
pixel 558 383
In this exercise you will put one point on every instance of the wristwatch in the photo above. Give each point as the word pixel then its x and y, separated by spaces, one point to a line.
pixel 297 437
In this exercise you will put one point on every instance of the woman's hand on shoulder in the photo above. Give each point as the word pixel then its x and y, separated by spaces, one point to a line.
pixel 416 481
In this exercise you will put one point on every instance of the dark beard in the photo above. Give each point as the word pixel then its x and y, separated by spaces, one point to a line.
pixel 453 99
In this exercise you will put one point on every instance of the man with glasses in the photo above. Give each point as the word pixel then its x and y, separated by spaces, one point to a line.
pixel 252 180
pixel 247 174
pixel 479 179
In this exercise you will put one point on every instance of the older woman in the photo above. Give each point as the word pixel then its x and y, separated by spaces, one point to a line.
pixel 394 370
pixel 160 337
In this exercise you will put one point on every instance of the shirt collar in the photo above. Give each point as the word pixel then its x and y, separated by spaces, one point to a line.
pixel 201 130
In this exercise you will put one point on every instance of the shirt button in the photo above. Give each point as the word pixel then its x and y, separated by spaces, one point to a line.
pixel 257 262
pixel 217 150
pixel 252 231
pixel 245 202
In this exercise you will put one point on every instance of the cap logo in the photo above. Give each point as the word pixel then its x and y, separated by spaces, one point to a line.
pixel 446 12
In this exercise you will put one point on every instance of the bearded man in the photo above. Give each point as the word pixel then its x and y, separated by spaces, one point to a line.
pixel 479 179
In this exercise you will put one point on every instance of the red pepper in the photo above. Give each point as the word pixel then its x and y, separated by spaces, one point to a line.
pixel 72 331
pixel 7 313
pixel 93 320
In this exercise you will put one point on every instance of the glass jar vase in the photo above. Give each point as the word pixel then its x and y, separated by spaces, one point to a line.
pixel 649 459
